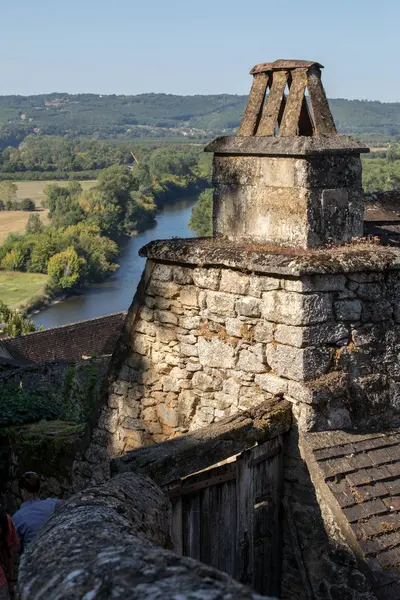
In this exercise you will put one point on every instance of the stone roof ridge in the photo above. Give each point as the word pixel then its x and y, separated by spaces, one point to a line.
pixel 65 326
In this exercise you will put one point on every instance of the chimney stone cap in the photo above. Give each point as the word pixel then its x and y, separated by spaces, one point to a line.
pixel 300 146
pixel 284 65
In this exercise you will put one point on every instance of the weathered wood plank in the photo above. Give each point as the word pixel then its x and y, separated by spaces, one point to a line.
pixel 194 534
pixel 323 120
pixel 248 125
pixel 269 117
pixel 244 530
pixel 176 526
pixel 266 516
pixel 196 451
pixel 227 527
pixel 294 101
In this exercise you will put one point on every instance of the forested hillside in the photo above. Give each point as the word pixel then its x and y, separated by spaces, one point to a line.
pixel 165 116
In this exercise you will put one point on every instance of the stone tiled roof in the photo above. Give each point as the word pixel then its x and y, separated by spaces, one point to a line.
pixel 69 342
pixel 363 474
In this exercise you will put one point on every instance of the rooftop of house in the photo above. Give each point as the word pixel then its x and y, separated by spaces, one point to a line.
pixel 95 337
pixel 382 216
pixel 362 471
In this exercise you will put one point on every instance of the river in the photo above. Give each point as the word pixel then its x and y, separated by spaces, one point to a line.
pixel 116 293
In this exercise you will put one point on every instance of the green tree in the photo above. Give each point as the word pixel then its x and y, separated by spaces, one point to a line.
pixel 65 268
pixel 13 323
pixel 27 204
pixel 201 220
pixel 8 192
pixel 34 224
pixel 15 259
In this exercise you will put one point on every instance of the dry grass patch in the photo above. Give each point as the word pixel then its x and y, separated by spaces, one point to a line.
pixel 14 221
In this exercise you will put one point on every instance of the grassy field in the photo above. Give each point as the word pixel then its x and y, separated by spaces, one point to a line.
pixel 34 189
pixel 15 221
pixel 18 289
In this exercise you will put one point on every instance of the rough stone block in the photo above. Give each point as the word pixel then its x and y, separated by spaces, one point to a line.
pixel 278 172
pixel 163 289
pixel 313 335
pixel 182 275
pixel 248 307
pixel 262 284
pixel 166 334
pixel 162 303
pixel 165 316
pixel 187 339
pixel 217 354
pixel 348 310
pixel 109 420
pixel 379 310
pixel 201 381
pixel 252 359
pixel 221 304
pixel 187 402
pixel 189 350
pixel 264 332
pixel 146 314
pixel 271 383
pixel 244 170
pixel 167 415
pixel 189 296
pixel 234 282
pixel 192 366
pixel 231 387
pixel 296 309
pixel 298 363
pixel 370 291
pixel 207 278
pixel 170 384
pixel 162 272
pixel 234 327
pixel 140 344
pixel 315 283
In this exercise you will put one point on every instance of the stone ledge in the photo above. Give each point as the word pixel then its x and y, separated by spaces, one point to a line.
pixel 259 258
pixel 302 146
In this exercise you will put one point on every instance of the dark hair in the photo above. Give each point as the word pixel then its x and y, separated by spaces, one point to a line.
pixel 4 531
pixel 30 482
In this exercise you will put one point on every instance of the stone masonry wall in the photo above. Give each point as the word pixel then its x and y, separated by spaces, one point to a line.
pixel 208 342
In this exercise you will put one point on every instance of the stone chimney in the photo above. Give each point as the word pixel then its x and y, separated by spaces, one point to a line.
pixel 287 178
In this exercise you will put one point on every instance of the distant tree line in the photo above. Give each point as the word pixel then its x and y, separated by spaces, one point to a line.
pixel 165 116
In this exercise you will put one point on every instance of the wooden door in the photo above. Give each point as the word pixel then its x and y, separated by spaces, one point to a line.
pixel 229 517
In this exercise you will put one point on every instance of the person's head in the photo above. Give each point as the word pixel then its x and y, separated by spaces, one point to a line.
pixel 29 485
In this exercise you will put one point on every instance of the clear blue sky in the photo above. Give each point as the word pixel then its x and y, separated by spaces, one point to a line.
pixel 195 46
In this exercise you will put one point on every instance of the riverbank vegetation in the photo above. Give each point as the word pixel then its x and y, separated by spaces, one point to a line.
pixel 80 245
pixel 13 323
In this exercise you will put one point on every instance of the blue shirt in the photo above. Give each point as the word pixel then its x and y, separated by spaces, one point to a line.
pixel 31 516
